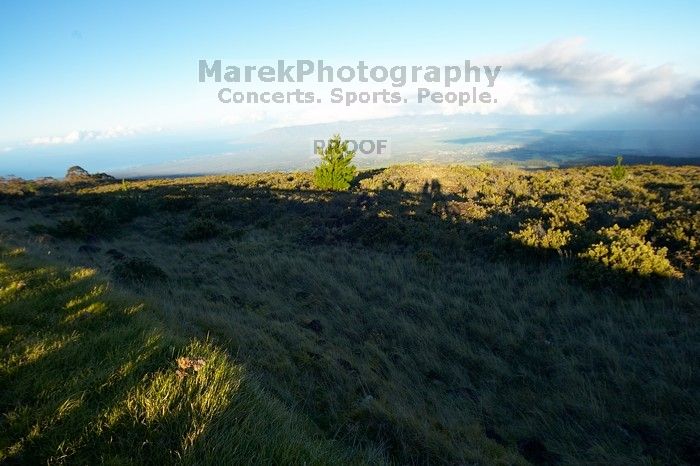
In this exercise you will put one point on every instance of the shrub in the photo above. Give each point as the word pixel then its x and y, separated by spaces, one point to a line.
pixel 625 250
pixel 177 203
pixel 618 172
pixel 70 228
pixel 16 187
pixel 535 235
pixel 38 229
pixel 562 212
pixel 202 229
pixel 552 232
pixel 126 208
pixel 335 171
pixel 97 221
pixel 426 257
pixel 683 232
pixel 136 271
pixel 467 210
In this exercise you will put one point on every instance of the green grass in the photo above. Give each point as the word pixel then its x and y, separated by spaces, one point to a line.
pixel 89 376
pixel 432 314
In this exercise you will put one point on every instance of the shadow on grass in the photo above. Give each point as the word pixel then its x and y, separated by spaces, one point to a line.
pixel 90 377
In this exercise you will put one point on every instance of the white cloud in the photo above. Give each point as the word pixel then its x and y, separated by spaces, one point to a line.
pixel 566 66
pixel 70 138
pixel 81 136
pixel 559 78
pixel 6 149
pixel 245 115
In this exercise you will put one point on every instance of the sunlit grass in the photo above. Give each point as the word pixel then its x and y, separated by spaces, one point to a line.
pixel 88 376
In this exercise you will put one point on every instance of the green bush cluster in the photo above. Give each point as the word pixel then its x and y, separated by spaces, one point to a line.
pixel 464 210
pixel 202 229
pixel 69 228
pixel 446 209
pixel 126 208
pixel 535 235
pixel 15 188
pixel 626 250
pixel 138 271
pixel 564 211
pixel 552 229
pixel 96 218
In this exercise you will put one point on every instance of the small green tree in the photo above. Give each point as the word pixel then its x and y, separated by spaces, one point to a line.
pixel 618 171
pixel 335 172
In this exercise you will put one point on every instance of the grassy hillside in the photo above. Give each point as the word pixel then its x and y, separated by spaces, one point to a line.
pixel 89 376
pixel 432 314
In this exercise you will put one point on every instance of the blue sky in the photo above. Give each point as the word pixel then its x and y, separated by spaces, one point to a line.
pixel 96 66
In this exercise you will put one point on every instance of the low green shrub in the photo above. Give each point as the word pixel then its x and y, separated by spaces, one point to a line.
pixel 177 203
pixel 137 271
pixel 127 208
pixel 67 229
pixel 553 228
pixel 202 229
pixel 425 257
pixel 38 229
pixel 94 220
pixel 563 211
pixel 626 250
pixel 98 221
pixel 535 235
